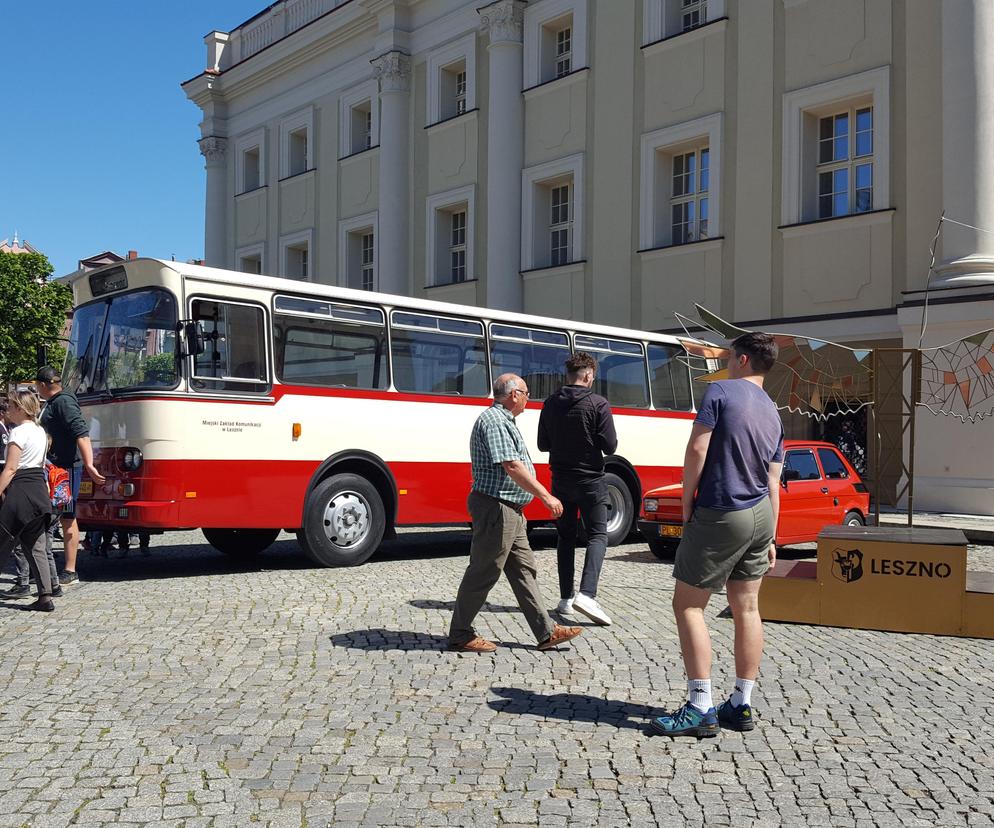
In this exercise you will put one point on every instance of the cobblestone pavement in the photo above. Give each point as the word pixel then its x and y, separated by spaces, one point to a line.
pixel 181 690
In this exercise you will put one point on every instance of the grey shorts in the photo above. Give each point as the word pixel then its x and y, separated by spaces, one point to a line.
pixel 718 546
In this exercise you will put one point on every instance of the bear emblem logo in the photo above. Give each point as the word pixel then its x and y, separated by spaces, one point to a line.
pixel 847 565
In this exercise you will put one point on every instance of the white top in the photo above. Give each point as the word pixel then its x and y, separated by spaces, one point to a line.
pixel 33 441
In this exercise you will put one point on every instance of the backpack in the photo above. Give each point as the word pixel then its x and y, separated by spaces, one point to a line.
pixel 58 487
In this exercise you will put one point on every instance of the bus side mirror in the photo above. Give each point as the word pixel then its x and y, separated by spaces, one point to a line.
pixel 192 342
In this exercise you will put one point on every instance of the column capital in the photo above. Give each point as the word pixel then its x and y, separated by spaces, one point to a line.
pixel 213 148
pixel 503 20
pixel 393 70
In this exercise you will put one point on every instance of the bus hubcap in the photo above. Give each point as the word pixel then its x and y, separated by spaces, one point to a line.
pixel 346 519
pixel 615 509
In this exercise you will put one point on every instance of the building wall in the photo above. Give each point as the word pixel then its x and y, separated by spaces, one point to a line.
pixel 751 83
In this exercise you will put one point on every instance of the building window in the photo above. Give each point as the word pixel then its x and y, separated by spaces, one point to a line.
pixel 295 144
pixel 668 18
pixel 251 172
pixel 461 92
pixel 452 80
pixel 367 261
pixel 693 13
pixel 845 162
pixel 555 40
pixel 359 119
pixel 450 237
pixel 457 248
pixel 296 261
pixel 564 51
pixel 681 183
pixel 250 264
pixel 689 196
pixel 250 161
pixel 357 252
pixel 298 152
pixel 836 148
pixel 552 213
pixel 560 225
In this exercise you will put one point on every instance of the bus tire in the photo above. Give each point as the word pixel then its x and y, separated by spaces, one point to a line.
pixel 241 543
pixel 344 521
pixel 665 550
pixel 620 510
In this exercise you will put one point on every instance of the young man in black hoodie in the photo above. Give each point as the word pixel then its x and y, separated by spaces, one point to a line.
pixel 577 429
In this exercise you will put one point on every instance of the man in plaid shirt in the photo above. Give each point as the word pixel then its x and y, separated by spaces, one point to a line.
pixel 503 484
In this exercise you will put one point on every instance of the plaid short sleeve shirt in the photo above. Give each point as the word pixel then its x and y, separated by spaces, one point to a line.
pixel 496 438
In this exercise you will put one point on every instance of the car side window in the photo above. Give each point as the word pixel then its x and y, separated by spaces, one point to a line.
pixel 832 464
pixel 802 462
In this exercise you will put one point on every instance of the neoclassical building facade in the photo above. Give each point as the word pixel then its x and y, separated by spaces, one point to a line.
pixel 782 162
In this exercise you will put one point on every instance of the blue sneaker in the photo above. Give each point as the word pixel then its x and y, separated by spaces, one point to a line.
pixel 736 718
pixel 688 721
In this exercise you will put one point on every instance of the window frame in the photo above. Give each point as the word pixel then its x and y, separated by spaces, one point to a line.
pixel 191 360
pixel 595 349
pixel 289 126
pixel 249 251
pixel 547 175
pixel 537 17
pixel 850 164
pixel 349 101
pixel 437 208
pixel 657 150
pixel 351 226
pixel 292 241
pixel 659 18
pixel 801 110
pixel 463 49
pixel 243 145
pixel 814 460
pixel 494 338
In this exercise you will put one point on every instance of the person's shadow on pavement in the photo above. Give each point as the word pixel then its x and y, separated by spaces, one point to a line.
pixel 573 707
pixel 381 639
pixel 449 606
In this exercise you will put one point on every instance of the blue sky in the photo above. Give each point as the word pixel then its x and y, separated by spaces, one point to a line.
pixel 98 142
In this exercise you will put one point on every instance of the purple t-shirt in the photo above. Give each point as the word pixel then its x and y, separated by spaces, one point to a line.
pixel 747 436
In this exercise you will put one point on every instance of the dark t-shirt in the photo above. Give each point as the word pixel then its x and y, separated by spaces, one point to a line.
pixel 64 422
pixel 747 436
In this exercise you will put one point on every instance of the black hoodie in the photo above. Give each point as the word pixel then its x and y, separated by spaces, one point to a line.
pixel 577 429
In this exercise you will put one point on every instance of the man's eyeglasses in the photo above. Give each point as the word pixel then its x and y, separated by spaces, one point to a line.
pixel 519 391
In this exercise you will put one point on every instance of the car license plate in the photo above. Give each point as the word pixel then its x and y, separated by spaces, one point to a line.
pixel 86 487
pixel 670 531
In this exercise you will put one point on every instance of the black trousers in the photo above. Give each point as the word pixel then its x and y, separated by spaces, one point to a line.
pixel 588 496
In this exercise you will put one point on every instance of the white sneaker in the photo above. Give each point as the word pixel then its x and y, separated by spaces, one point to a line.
pixel 589 607
pixel 565 606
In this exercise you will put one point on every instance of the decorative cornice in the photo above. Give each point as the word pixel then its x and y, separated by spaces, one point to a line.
pixel 393 71
pixel 503 20
pixel 213 148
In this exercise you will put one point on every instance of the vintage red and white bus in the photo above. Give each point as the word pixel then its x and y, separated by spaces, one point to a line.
pixel 244 404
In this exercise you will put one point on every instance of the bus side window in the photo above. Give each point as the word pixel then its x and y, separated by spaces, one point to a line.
pixel 330 344
pixel 669 378
pixel 438 355
pixel 538 357
pixel 621 376
pixel 235 356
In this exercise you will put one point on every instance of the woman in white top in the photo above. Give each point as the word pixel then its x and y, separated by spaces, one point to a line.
pixel 26 510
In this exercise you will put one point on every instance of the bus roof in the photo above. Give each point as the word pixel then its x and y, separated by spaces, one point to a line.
pixel 282 285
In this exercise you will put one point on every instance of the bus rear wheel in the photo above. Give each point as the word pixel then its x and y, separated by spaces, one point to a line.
pixel 241 543
pixel 344 521
pixel 620 510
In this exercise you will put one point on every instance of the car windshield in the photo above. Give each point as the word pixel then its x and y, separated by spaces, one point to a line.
pixel 122 343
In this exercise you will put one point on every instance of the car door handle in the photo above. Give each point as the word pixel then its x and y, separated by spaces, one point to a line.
pixel 824 489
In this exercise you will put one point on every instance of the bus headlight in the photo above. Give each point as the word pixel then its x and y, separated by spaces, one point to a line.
pixel 132 459
pixel 651 504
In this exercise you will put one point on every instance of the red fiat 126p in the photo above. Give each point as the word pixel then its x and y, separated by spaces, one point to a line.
pixel 818 487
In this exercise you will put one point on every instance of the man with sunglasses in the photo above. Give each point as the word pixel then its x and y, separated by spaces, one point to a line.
pixel 504 483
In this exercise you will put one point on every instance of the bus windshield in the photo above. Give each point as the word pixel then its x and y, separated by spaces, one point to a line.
pixel 122 343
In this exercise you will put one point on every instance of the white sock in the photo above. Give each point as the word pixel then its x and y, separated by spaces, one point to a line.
pixel 699 694
pixel 743 692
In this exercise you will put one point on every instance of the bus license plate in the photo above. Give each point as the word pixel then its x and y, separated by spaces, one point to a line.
pixel 669 531
pixel 86 487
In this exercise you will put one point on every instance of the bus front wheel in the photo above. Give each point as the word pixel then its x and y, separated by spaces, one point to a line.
pixel 241 543
pixel 344 521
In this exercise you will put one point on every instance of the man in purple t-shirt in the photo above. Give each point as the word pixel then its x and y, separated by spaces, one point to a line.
pixel 731 500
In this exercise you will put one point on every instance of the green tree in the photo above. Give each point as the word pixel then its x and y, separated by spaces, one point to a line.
pixel 32 313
